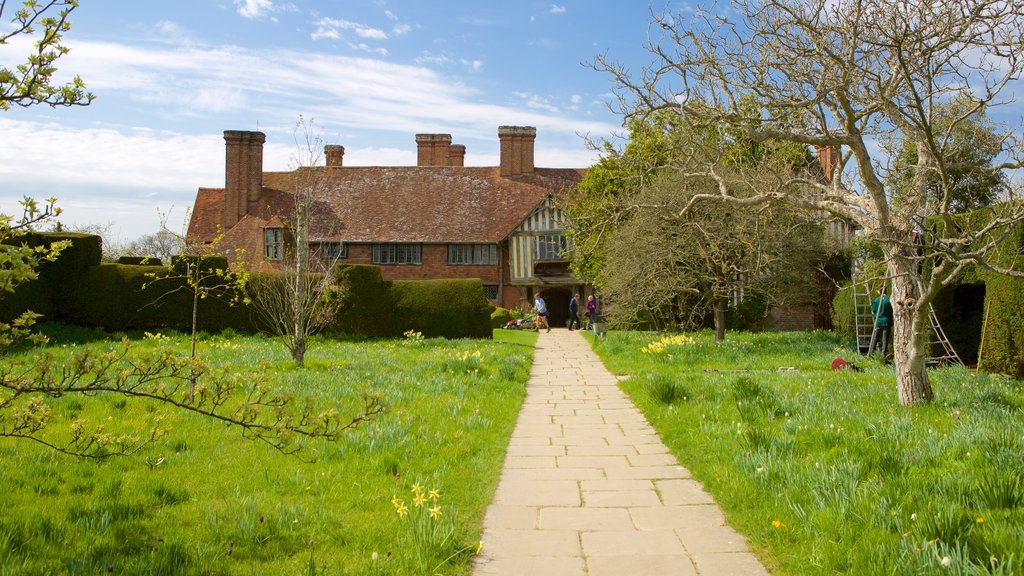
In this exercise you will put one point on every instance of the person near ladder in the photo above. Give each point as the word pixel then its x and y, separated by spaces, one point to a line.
pixel 881 312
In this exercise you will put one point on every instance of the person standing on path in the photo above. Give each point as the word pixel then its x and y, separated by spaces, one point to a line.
pixel 881 311
pixel 592 313
pixel 542 312
pixel 574 312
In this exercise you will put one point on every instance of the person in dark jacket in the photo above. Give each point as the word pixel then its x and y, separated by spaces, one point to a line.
pixel 574 312
pixel 881 312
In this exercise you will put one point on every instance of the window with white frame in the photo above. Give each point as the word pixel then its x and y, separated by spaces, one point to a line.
pixel 396 254
pixel 273 243
pixel 491 291
pixel 330 250
pixel 551 247
pixel 473 254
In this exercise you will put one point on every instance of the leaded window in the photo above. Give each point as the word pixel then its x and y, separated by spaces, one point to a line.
pixel 396 254
pixel 273 243
pixel 331 250
pixel 486 254
pixel 551 247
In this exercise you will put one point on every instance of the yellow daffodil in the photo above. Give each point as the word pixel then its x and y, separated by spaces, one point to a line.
pixel 479 546
pixel 778 524
pixel 435 512
pixel 419 500
pixel 416 488
pixel 435 495
pixel 394 501
pixel 402 510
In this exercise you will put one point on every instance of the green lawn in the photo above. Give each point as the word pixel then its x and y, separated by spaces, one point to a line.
pixel 204 500
pixel 824 471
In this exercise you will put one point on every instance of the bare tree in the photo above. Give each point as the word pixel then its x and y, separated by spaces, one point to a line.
pixel 860 77
pixel 302 301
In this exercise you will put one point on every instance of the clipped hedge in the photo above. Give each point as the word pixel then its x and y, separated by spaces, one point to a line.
pixel 366 302
pixel 449 308
pixel 1003 340
pixel 145 297
pixel 41 295
pixel 140 261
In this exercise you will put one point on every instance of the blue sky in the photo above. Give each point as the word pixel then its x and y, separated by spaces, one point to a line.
pixel 170 77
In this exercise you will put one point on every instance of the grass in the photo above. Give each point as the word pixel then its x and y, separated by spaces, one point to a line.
pixel 205 501
pixel 824 472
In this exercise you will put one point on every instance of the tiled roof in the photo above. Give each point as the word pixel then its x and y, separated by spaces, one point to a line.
pixel 398 204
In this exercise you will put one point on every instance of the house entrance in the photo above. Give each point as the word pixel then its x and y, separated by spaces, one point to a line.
pixel 557 300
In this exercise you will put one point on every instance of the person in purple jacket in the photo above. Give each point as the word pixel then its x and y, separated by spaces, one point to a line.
pixel 592 312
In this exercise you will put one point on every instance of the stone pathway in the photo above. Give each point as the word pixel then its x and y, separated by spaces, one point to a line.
pixel 588 488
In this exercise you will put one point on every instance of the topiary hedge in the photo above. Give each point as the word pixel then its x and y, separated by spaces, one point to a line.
pixel 1003 340
pixel 449 308
pixel 366 303
pixel 140 260
pixel 843 315
pixel 40 295
pixel 145 297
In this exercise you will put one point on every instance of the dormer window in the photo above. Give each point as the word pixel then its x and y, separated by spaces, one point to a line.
pixel 273 243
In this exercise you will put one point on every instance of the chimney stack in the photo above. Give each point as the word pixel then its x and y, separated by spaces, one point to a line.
pixel 243 174
pixel 457 155
pixel 432 149
pixel 516 149
pixel 335 154
pixel 828 158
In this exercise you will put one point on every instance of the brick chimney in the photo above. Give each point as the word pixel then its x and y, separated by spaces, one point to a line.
pixel 432 149
pixel 457 155
pixel 243 174
pixel 828 158
pixel 516 149
pixel 335 154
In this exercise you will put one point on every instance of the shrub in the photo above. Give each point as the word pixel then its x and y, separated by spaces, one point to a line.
pixel 842 314
pixel 366 303
pixel 206 262
pixel 501 316
pixel 121 297
pixel 140 261
pixel 450 308
pixel 41 295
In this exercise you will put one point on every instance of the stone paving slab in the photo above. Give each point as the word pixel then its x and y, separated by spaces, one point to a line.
pixel 589 489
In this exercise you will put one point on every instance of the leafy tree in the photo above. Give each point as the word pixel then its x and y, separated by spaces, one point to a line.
pixel 678 267
pixel 32 82
pixel 968 151
pixel 848 76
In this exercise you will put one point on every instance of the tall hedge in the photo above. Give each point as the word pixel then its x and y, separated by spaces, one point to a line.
pixel 1003 342
pixel 366 301
pixel 124 296
pixel 449 308
pixel 41 295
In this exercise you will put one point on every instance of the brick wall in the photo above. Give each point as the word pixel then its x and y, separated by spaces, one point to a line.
pixel 434 264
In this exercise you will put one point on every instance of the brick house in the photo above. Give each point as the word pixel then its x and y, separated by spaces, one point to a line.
pixel 438 219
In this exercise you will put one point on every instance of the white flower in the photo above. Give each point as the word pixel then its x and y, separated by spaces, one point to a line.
pixel 947 561
pixel 913 517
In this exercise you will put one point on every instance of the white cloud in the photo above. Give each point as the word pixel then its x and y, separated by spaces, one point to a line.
pixel 260 9
pixel 129 172
pixel 556 9
pixel 474 65
pixel 535 102
pixel 401 29
pixel 332 28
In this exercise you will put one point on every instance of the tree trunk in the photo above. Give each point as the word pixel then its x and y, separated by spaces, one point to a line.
pixel 720 304
pixel 910 350
pixel 301 304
